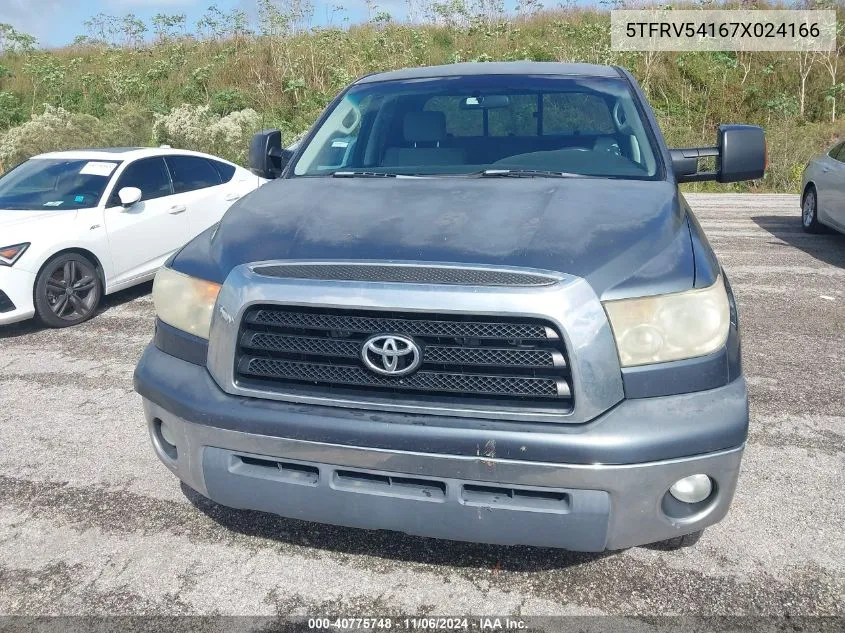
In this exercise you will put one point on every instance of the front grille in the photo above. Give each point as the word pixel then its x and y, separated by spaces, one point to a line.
pixel 410 327
pixel 6 304
pixel 407 273
pixel 466 359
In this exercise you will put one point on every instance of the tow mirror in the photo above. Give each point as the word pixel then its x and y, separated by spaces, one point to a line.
pixel 129 196
pixel 267 157
pixel 740 154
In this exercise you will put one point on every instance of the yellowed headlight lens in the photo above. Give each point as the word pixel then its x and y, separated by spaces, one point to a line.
pixel 184 302
pixel 670 327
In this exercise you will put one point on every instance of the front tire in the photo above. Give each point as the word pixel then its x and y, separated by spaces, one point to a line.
pixel 67 291
pixel 810 212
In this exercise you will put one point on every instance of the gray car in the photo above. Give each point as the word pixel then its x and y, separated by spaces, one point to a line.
pixel 823 192
pixel 473 305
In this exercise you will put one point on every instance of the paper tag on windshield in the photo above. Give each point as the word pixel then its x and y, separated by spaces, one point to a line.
pixel 54 203
pixel 97 168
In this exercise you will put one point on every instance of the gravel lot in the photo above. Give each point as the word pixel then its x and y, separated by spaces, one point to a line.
pixel 92 523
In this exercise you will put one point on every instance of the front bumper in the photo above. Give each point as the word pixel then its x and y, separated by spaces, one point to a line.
pixel 18 285
pixel 600 485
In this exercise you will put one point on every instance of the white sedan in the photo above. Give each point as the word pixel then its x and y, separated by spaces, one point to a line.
pixel 823 192
pixel 77 225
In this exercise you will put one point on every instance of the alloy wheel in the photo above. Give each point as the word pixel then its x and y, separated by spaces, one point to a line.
pixel 808 211
pixel 72 290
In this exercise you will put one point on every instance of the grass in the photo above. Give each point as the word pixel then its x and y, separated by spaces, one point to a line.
pixel 287 74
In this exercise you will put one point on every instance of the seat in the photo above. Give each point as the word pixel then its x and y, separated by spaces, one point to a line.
pixel 424 131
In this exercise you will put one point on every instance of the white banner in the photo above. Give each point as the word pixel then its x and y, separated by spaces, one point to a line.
pixel 722 30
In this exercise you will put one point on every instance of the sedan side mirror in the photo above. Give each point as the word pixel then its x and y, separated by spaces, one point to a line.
pixel 740 154
pixel 267 157
pixel 129 196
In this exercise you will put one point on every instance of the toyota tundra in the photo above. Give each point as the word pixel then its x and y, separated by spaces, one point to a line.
pixel 473 305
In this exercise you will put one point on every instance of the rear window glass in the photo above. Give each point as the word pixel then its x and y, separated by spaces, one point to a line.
pixel 572 113
pixel 190 173
pixel 225 170
pixel 458 122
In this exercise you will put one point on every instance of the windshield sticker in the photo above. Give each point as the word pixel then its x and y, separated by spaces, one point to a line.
pixel 54 203
pixel 79 198
pixel 340 143
pixel 97 168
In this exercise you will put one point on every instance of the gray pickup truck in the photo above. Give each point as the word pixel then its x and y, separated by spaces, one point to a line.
pixel 473 305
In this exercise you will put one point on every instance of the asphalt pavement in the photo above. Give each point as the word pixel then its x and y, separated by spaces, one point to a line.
pixel 92 523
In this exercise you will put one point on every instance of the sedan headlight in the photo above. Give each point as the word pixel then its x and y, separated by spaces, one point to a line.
pixel 10 254
pixel 184 302
pixel 670 327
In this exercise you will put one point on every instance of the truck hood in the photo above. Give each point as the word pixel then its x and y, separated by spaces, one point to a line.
pixel 614 233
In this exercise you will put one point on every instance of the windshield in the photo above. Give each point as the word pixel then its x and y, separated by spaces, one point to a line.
pixel 586 126
pixel 55 184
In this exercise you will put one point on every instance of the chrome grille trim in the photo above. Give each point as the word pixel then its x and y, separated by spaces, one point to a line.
pixel 394 272
pixel 569 306
pixel 442 354
pixel 422 380
pixel 410 327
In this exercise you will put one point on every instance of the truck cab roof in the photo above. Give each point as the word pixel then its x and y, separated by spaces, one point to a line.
pixel 494 68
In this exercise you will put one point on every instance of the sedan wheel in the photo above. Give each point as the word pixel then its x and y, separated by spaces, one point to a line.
pixel 809 212
pixel 67 291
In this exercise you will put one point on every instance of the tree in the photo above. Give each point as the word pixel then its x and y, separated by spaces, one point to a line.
pixel 14 41
pixel 830 60
pixel 168 26
pixel 806 60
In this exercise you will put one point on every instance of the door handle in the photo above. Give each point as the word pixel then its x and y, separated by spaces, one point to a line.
pixel 231 197
pixel 176 209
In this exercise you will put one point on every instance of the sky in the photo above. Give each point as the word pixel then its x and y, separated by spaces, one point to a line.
pixel 58 22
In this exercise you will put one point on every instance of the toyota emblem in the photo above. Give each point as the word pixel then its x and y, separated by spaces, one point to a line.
pixel 391 355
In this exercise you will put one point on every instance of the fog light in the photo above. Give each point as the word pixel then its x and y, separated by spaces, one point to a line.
pixel 692 489
pixel 166 436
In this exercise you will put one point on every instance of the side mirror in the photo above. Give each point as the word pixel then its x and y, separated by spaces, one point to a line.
pixel 129 196
pixel 740 155
pixel 267 157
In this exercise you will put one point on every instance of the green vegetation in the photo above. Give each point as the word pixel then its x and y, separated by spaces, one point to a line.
pixel 210 85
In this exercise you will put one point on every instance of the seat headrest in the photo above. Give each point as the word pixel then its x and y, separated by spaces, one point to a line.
pixel 424 127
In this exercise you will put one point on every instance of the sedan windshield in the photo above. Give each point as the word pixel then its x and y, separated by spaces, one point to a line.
pixel 55 184
pixel 518 125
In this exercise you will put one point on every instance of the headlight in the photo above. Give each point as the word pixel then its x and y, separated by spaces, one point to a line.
pixel 670 327
pixel 184 302
pixel 10 254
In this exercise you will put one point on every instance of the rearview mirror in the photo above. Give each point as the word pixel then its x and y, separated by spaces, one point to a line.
pixel 267 157
pixel 485 102
pixel 740 154
pixel 129 196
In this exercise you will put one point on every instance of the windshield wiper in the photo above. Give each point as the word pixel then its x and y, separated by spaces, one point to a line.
pixel 528 173
pixel 361 174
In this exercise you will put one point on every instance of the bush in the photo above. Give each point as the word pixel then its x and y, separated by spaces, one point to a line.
pixel 11 112
pixel 56 129
pixel 227 101
pixel 129 126
pixel 198 128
